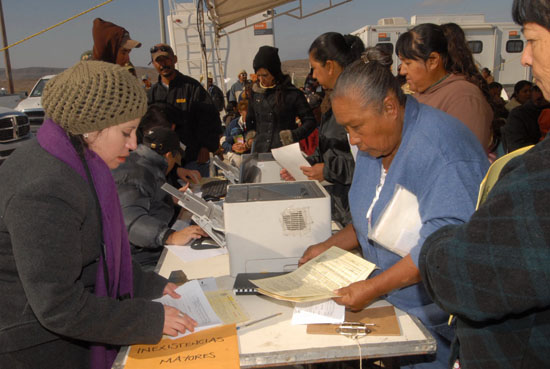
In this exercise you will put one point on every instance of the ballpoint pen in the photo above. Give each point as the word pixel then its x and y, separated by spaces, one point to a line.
pixel 258 320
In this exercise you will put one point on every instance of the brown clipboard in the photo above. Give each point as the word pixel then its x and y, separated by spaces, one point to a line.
pixel 384 318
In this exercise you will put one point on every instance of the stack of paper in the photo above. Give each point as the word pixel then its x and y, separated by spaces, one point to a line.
pixel 318 278
pixel 194 303
pixel 318 312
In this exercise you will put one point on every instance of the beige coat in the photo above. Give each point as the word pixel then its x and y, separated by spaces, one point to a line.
pixel 464 101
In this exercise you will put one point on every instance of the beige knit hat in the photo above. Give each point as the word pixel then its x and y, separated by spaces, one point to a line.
pixel 93 95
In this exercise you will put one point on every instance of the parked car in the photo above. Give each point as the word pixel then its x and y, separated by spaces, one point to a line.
pixel 14 130
pixel 8 100
pixel 32 105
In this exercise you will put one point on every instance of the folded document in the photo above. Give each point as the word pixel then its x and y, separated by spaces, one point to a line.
pixel 398 228
pixel 318 278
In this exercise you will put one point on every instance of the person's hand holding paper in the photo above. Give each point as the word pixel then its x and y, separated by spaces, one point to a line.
pixel 314 172
pixel 312 251
pixel 285 174
pixel 290 157
pixel 359 294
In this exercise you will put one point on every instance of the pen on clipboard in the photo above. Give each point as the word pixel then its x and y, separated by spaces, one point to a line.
pixel 258 320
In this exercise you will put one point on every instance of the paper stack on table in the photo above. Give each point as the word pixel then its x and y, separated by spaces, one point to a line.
pixel 194 303
pixel 318 312
pixel 316 279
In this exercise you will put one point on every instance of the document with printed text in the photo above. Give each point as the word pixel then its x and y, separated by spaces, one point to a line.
pixel 318 312
pixel 318 278
pixel 194 303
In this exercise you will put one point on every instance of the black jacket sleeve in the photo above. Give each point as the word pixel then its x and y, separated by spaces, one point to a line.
pixel 334 151
pixel 306 116
pixel 521 128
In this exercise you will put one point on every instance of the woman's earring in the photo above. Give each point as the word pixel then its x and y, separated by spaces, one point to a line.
pixel 85 135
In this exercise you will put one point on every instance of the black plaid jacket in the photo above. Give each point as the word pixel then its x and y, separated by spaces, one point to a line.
pixel 493 272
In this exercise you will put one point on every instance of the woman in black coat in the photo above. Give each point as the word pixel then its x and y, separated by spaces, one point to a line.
pixel 275 104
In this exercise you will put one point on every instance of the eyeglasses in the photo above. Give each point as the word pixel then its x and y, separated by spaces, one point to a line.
pixel 166 49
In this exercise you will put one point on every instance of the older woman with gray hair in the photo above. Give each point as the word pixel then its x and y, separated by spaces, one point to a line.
pixel 70 292
pixel 401 143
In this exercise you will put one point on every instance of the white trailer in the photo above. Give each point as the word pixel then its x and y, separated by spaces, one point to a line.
pixel 244 44
pixel 497 46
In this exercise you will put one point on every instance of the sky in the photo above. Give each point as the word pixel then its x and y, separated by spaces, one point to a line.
pixel 62 46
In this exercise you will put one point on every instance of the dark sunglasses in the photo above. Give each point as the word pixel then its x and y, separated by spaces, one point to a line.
pixel 166 49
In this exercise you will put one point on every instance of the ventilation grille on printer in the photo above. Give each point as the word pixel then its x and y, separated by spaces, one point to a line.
pixel 296 221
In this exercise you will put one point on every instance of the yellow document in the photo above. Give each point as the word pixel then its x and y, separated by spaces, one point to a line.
pixel 209 349
pixel 226 307
pixel 316 279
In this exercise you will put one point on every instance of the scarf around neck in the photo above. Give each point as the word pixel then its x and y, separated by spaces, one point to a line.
pixel 118 261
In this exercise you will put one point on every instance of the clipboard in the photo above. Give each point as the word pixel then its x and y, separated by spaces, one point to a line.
pixel 384 318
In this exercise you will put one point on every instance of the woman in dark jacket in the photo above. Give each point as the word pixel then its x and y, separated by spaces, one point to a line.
pixel 332 161
pixel 275 104
pixel 70 292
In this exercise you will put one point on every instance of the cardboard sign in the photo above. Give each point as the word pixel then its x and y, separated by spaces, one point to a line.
pixel 212 348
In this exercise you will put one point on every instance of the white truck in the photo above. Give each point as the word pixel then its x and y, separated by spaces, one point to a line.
pixel 32 105
pixel 497 46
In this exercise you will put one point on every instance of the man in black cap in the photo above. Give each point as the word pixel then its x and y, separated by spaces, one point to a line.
pixel 199 128
pixel 148 210
pixel 275 105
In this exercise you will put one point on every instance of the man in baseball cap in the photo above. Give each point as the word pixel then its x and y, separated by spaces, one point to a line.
pixel 164 142
pixel 164 60
pixel 139 181
pixel 200 133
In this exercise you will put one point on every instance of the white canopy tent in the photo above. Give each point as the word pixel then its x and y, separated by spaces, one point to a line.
pixel 230 16
pixel 227 12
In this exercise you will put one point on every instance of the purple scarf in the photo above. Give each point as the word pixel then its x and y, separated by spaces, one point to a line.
pixel 54 140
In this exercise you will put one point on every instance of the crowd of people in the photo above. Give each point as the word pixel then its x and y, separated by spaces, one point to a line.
pixel 83 218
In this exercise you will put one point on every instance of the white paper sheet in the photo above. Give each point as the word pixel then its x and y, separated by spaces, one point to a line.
pixel 208 284
pixel 398 228
pixel 290 157
pixel 318 312
pixel 194 303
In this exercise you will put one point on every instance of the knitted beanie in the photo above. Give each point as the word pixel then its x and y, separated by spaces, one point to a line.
pixel 268 57
pixel 93 95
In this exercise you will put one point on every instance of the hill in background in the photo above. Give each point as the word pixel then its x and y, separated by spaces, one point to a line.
pixel 298 69
pixel 25 78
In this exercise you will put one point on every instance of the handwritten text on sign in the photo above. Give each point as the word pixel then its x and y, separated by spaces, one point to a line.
pixel 212 348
